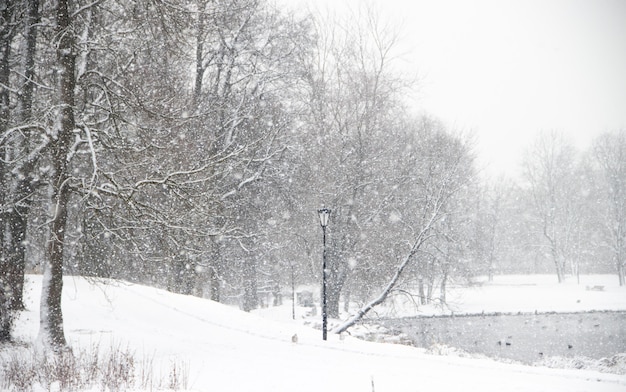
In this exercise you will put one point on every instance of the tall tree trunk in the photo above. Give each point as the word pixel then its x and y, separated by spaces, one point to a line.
pixel 621 265
pixel 215 283
pixel 619 256
pixel 250 294
pixel 6 270
pixel 51 316
pixel 197 90
pixel 215 272
pixel 421 291
pixel 22 186
pixel 6 36
pixel 16 226
pixel 560 270
pixel 442 292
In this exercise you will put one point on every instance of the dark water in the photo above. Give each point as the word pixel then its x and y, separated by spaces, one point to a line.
pixel 525 338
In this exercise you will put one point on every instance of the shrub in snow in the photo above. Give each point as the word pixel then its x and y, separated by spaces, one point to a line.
pixel 25 369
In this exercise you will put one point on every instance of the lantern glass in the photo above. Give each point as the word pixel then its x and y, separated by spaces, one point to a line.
pixel 324 214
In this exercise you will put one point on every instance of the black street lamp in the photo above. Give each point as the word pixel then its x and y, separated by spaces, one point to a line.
pixel 324 214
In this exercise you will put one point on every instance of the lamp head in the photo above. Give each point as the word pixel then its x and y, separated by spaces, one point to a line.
pixel 324 214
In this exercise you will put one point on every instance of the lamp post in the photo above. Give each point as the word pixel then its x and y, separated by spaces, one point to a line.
pixel 324 214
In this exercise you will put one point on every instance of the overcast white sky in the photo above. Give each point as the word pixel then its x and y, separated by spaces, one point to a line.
pixel 508 69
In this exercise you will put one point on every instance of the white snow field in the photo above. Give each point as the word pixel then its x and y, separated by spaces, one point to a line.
pixel 531 293
pixel 224 349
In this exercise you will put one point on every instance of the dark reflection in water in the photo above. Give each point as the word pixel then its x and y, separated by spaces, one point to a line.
pixel 525 338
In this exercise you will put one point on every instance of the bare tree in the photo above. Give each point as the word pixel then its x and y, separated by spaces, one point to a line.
pixel 493 225
pixel 550 171
pixel 610 152
pixel 61 135
pixel 436 168
pixel 8 29
pixel 353 102
pixel 21 178
pixel 20 139
pixel 246 67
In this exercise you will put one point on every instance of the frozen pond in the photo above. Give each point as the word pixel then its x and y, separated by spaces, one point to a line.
pixel 522 337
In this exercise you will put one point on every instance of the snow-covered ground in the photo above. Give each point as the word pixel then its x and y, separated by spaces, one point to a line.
pixel 506 294
pixel 224 349
pixel 531 293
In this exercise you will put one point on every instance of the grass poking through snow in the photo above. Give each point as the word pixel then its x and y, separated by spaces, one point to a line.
pixel 24 368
